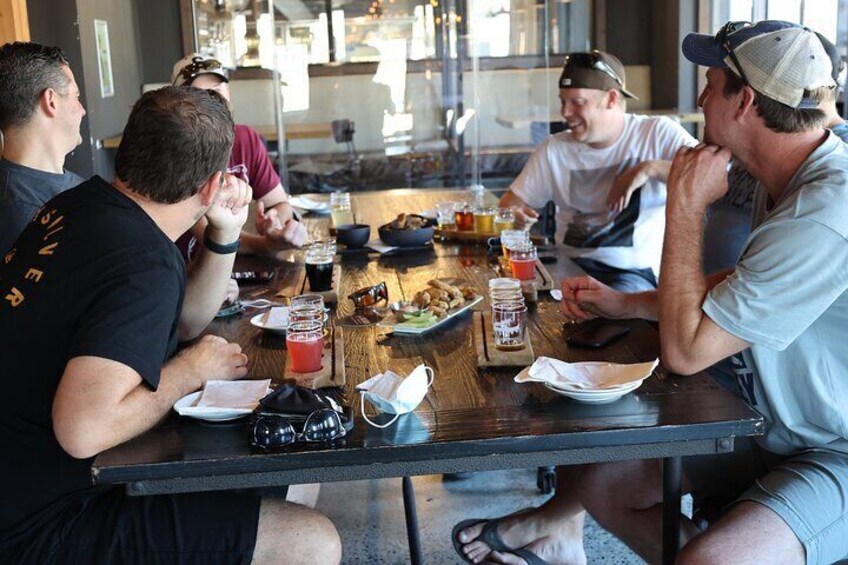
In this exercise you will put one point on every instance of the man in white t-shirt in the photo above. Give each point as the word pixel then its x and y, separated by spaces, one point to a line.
pixel 604 174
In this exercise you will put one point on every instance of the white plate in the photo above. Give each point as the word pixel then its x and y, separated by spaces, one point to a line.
pixel 417 331
pixel 310 204
pixel 595 397
pixel 185 406
pixel 569 387
pixel 257 321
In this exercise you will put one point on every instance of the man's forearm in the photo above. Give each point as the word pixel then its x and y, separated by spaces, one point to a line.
pixel 682 287
pixel 89 417
pixel 206 286
pixel 642 305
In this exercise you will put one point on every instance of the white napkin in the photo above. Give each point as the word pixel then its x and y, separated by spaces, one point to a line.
pixel 277 317
pixel 233 394
pixel 589 375
pixel 309 204
pixel 556 294
pixel 378 246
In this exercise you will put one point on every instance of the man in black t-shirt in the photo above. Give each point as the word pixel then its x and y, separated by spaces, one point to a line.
pixel 90 300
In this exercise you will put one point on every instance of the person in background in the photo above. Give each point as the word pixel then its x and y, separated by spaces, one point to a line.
pixel 40 116
pixel 275 223
pixel 99 263
pixel 610 213
pixel 779 314
pixel 729 219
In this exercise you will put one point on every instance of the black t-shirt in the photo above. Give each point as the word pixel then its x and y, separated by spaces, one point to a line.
pixel 92 275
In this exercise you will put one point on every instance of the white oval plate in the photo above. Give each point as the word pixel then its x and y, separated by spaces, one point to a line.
pixel 185 406
pixel 594 397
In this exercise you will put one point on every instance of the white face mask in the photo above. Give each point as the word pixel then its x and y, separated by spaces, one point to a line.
pixel 393 394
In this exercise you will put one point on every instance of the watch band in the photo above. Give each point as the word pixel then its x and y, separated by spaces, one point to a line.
pixel 218 248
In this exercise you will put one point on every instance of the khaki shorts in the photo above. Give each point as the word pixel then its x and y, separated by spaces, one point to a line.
pixel 808 490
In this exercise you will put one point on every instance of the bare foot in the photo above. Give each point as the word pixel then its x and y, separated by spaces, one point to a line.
pixel 521 529
pixel 556 550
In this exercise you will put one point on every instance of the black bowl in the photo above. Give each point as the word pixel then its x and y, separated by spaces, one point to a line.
pixel 406 238
pixel 353 235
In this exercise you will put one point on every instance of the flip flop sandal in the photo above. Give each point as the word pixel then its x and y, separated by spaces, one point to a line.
pixel 492 538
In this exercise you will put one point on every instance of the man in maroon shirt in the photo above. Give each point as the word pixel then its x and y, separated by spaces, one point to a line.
pixel 275 222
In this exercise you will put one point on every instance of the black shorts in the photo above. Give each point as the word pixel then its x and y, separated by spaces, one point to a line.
pixel 213 527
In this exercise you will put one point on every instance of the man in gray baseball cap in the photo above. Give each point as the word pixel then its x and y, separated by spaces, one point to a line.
pixel 780 314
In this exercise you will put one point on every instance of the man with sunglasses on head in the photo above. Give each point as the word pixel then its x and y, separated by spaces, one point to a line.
pixel 249 161
pixel 780 313
pixel 605 174
pixel 89 319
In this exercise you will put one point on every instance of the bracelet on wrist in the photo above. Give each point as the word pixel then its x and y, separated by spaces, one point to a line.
pixel 218 248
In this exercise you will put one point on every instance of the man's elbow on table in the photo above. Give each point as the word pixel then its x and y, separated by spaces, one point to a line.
pixel 680 362
pixel 709 345
pixel 87 407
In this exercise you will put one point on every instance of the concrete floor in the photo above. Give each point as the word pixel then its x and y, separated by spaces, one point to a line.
pixel 369 516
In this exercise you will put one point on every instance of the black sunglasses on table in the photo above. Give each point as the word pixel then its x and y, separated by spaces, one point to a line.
pixel 276 430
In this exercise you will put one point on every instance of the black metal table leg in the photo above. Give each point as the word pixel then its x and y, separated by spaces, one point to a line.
pixel 411 522
pixel 672 477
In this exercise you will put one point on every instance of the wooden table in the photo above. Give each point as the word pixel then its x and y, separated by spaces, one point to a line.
pixel 472 419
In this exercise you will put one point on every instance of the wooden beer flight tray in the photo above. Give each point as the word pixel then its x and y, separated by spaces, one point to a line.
pixel 475 237
pixel 301 286
pixel 530 289
pixel 490 356
pixel 332 371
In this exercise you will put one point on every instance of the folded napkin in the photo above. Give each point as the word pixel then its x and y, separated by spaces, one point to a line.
pixel 277 317
pixel 589 375
pixel 233 394
pixel 378 246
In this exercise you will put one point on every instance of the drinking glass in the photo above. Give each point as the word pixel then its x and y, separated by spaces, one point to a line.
pixel 319 266
pixel 305 345
pixel 503 290
pixel 513 238
pixel 464 217
pixel 445 212
pixel 341 212
pixel 504 220
pixel 509 323
pixel 522 261
pixel 307 307
pixel 484 220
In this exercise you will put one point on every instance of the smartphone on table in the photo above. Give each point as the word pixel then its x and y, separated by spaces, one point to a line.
pixel 252 277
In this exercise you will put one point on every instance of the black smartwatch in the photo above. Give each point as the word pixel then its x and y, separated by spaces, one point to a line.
pixel 218 248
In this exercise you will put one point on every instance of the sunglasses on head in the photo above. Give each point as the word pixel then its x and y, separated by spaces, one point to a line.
pixel 593 61
pixel 723 38
pixel 197 66
pixel 274 430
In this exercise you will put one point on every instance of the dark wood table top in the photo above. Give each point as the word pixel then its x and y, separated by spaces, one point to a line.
pixel 471 419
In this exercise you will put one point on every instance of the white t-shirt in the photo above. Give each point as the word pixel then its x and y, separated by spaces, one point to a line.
pixel 578 178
